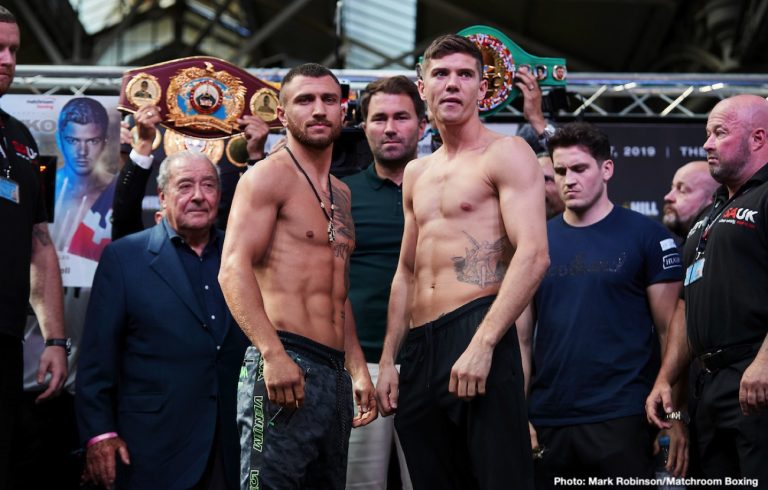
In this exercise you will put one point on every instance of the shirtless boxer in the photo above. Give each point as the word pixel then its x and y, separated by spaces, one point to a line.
pixel 284 275
pixel 474 250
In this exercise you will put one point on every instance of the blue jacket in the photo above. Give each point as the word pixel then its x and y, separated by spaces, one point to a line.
pixel 151 371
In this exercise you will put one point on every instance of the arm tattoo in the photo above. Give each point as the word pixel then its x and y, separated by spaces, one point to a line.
pixel 343 212
pixel 483 262
pixel 40 233
pixel 341 250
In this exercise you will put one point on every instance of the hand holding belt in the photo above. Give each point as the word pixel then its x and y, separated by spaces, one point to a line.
pixel 200 96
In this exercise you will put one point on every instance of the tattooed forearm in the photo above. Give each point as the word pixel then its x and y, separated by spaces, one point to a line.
pixel 342 214
pixel 40 233
pixel 483 262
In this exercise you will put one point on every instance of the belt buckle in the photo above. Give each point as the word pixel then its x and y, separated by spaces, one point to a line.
pixel 705 357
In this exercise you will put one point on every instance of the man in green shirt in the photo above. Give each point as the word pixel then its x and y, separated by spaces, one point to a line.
pixel 394 116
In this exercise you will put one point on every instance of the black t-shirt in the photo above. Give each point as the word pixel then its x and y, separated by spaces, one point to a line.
pixel 728 305
pixel 17 220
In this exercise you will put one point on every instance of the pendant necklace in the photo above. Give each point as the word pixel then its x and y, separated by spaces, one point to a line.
pixel 331 227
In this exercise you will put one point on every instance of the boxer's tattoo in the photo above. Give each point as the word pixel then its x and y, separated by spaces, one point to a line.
pixel 342 213
pixel 341 250
pixel 483 262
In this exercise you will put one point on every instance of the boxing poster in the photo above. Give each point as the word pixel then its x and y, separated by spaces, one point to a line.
pixel 83 133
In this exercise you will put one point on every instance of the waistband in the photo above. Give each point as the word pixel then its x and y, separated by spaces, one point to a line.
pixel 717 359
pixel 311 349
pixel 434 325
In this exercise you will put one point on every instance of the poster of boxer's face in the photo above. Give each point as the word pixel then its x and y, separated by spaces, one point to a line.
pixel 83 133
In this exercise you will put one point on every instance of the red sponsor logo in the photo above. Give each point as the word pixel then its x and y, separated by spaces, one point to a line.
pixel 23 150
pixel 739 216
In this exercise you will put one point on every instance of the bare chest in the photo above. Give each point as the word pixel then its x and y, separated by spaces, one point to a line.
pixel 303 223
pixel 453 194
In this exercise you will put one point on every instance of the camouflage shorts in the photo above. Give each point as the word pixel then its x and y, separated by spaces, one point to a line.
pixel 283 448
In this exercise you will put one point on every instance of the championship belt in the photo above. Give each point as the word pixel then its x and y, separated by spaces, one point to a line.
pixel 200 97
pixel 502 59
pixel 174 142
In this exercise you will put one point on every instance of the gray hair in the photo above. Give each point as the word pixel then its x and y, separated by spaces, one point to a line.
pixel 164 173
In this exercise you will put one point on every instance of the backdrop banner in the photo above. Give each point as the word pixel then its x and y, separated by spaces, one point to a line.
pixel 83 134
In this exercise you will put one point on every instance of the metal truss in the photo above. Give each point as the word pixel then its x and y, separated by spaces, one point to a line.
pixel 594 95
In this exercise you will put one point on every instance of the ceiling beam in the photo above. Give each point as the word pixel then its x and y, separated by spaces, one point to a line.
pixel 243 54
pixel 655 30
pixel 417 51
pixel 40 33
pixel 115 34
pixel 222 7
pixel 752 23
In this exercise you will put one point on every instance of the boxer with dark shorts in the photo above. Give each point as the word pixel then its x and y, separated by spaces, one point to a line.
pixel 474 250
pixel 285 276
pixel 494 425
pixel 312 456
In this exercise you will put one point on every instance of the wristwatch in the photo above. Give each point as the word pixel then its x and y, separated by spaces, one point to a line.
pixel 66 343
pixel 679 415
pixel 543 138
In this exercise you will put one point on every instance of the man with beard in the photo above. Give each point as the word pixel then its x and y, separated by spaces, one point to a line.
pixel 394 118
pixel 29 265
pixel 285 275
pixel 692 188
pixel 726 285
pixel 474 250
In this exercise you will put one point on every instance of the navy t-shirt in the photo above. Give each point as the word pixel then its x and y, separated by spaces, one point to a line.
pixel 596 351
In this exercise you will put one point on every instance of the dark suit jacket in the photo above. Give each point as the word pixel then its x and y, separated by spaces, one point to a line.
pixel 151 371
pixel 129 193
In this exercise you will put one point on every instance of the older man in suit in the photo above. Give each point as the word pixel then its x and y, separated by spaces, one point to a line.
pixel 160 355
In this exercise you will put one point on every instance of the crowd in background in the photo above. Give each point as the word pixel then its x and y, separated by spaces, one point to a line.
pixel 523 331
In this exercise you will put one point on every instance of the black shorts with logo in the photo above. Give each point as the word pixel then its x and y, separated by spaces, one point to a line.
pixel 306 448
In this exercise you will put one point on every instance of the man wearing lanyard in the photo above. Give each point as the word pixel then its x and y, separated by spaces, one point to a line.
pixel 726 287
pixel 28 262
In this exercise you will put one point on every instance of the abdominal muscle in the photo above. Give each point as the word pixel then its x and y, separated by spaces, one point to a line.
pixel 306 297
pixel 446 279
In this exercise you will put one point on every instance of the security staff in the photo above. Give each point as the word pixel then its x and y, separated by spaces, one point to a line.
pixel 726 287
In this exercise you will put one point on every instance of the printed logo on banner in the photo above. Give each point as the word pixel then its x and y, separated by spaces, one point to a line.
pixel 646 208
pixel 672 260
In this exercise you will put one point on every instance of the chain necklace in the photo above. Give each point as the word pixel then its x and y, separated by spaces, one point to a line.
pixel 331 227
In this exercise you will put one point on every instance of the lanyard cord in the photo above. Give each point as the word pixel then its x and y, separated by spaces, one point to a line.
pixel 712 217
pixel 4 150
